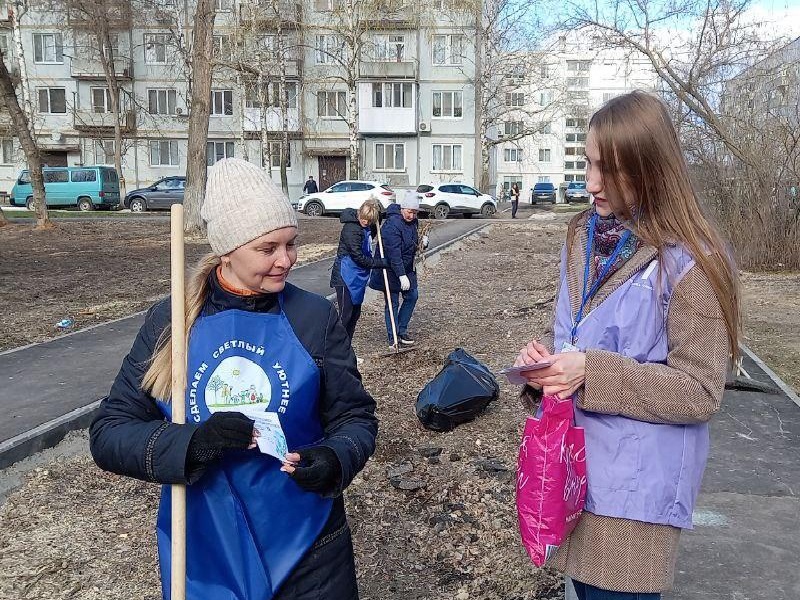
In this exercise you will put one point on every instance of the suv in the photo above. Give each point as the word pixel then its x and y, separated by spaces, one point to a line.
pixel 442 199
pixel 576 192
pixel 345 194
pixel 544 191
pixel 162 194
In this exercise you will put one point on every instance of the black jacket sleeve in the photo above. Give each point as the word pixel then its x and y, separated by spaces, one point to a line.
pixel 130 436
pixel 347 410
pixel 353 238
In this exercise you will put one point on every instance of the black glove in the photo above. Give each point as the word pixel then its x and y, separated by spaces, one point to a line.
pixel 319 470
pixel 222 431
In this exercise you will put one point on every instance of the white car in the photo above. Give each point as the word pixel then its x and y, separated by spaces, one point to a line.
pixel 345 194
pixel 442 199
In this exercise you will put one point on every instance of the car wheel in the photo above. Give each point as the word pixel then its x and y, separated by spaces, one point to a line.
pixel 138 205
pixel 85 204
pixel 29 204
pixel 314 209
pixel 441 211
pixel 487 210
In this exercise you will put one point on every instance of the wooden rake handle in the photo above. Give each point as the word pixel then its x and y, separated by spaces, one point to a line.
pixel 388 291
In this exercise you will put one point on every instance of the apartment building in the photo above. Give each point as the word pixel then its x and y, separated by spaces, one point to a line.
pixel 574 78
pixel 411 116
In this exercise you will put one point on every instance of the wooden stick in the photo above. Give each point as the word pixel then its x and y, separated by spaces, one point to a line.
pixel 388 291
pixel 178 573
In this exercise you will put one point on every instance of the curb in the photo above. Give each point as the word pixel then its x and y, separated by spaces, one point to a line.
pixel 784 387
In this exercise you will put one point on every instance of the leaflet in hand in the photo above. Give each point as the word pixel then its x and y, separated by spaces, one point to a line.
pixel 271 440
pixel 514 374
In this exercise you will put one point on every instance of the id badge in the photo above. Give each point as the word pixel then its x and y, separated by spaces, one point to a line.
pixel 567 347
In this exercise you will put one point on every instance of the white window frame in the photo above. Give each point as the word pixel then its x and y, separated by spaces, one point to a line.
pixel 390 47
pixel 114 37
pixel 223 5
pixel 173 159
pixel 151 42
pixel 106 106
pixel 327 49
pixel 454 95
pixel 103 146
pixel 50 100
pixel 222 47
pixel 545 155
pixel 274 90
pixel 392 94
pixel 41 47
pixel 7 152
pixel 445 52
pixel 386 150
pixel 228 150
pixel 543 179
pixel 275 156
pixel 515 99
pixel 218 101
pixel 512 155
pixel 513 128
pixel 443 155
pixel 166 96
pixel 341 101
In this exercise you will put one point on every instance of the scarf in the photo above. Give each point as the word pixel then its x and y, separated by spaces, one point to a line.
pixel 607 234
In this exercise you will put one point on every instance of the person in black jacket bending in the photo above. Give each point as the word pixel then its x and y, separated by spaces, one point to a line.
pixel 354 261
pixel 265 515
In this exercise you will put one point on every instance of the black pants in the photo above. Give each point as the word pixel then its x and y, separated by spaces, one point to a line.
pixel 348 312
pixel 514 207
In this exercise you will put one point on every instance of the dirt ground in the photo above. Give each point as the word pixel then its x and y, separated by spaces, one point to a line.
pixel 99 270
pixel 432 514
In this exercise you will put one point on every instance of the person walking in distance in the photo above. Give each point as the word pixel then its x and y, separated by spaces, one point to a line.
pixel 514 200
pixel 400 242
pixel 645 327
pixel 311 186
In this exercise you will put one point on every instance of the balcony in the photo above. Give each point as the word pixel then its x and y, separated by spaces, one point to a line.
pixel 253 120
pixel 117 13
pixel 391 120
pixel 92 69
pixel 261 14
pixel 92 122
pixel 391 14
pixel 393 70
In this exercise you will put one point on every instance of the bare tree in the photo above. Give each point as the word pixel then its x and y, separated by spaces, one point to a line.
pixel 22 130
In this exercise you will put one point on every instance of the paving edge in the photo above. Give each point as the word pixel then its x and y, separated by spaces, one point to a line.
pixel 785 387
pixel 45 435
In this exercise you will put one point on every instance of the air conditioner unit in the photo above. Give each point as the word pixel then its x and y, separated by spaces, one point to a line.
pixel 423 126
pixel 179 111
pixel 500 134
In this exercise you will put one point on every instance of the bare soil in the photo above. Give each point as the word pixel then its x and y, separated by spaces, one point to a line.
pixel 72 531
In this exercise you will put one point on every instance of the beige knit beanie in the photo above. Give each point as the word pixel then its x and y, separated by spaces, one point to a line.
pixel 241 204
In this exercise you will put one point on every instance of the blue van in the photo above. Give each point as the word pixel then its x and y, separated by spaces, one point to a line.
pixel 85 187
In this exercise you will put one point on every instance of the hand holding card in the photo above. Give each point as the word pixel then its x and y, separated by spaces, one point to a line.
pixel 515 374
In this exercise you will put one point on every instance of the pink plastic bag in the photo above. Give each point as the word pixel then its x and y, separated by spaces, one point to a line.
pixel 551 479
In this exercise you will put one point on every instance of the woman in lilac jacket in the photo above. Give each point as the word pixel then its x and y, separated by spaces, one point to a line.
pixel 645 324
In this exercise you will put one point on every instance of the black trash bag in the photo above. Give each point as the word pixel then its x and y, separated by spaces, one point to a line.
pixel 460 392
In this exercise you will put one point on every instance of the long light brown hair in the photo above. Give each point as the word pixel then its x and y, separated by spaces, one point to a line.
pixel 641 156
pixel 157 380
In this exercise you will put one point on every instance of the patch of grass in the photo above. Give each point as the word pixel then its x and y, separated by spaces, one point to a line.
pixel 60 214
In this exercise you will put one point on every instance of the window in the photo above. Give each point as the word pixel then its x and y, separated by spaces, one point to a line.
pixel 574 166
pixel 101 100
pixel 325 5
pixel 111 51
pixel 512 155
pixel 275 155
pixel 543 179
pixel 447 157
pixel 48 48
pixel 543 71
pixel 578 66
pixel 390 157
pixel 270 94
pixel 447 105
pixel 217 151
pixel 515 99
pixel 391 95
pixel 574 151
pixel 390 48
pixel 162 101
pixel 544 98
pixel 332 105
pixel 513 128
pixel 53 100
pixel 576 122
pixel 7 148
pixel 221 47
pixel 55 176
pixel 578 82
pixel 544 154
pixel 328 49
pixel 104 152
pixel 163 153
pixel 155 48
pixel 608 96
pixel 4 43
pixel 223 5
pixel 270 44
pixel 545 128
pixel 575 137
pixel 222 103
pixel 84 175
pixel 448 49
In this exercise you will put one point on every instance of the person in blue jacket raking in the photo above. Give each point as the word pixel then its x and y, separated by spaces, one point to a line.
pixel 259 350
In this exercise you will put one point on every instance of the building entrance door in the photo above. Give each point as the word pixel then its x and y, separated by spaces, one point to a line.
pixel 331 170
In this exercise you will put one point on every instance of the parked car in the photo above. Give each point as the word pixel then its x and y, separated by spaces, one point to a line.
pixel 544 191
pixel 161 195
pixel 442 199
pixel 345 194
pixel 85 187
pixel 576 192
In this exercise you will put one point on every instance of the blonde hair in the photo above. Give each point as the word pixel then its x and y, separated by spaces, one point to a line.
pixel 370 211
pixel 640 154
pixel 157 380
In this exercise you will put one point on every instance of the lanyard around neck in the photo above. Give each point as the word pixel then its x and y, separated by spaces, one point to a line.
pixel 586 297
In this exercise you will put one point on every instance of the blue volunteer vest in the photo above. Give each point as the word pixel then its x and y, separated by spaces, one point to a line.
pixel 247 523
pixel 355 277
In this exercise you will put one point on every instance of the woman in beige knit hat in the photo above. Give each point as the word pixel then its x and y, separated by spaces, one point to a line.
pixel 279 422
